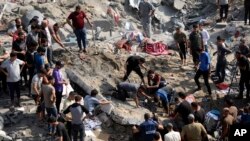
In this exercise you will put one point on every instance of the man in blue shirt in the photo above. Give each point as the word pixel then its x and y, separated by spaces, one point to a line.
pixel 39 60
pixel 163 95
pixel 204 70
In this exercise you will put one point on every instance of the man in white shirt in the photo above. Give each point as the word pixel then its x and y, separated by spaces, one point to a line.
pixel 12 66
pixel 36 85
pixel 205 36
pixel 172 135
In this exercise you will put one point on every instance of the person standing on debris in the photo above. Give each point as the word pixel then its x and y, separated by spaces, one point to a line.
pixel 39 60
pixel 244 67
pixel 247 11
pixel 77 17
pixel 134 63
pixel 146 11
pixel 204 70
pixel 54 34
pixel 224 6
pixel 3 56
pixel 12 66
pixel 49 96
pixel 221 59
pixel 36 85
pixel 199 112
pixel 196 44
pixel 243 48
pixel 226 122
pixel 18 23
pixel 59 82
pixel 205 36
pixel 32 36
pixel 181 43
pixel 77 111
pixel 61 132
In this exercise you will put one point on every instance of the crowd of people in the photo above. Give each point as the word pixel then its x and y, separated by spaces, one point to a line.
pixel 30 63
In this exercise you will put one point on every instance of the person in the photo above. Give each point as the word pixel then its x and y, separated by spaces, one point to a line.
pixel 3 56
pixel 147 129
pixel 68 117
pixel 205 36
pixel 155 81
pixel 134 63
pixel 221 59
pixel 55 36
pixel 183 109
pixel 197 130
pixel 91 102
pixel 172 135
pixel 146 11
pixel 114 14
pixel 163 95
pixel 59 82
pixel 243 65
pixel 126 88
pixel 18 23
pixel 196 44
pixel 204 70
pixel 49 95
pixel 77 111
pixel 233 110
pixel 19 47
pixel 157 137
pixel 226 122
pixel 32 36
pixel 36 85
pixel 181 43
pixel 245 116
pixel 199 112
pixel 247 11
pixel 77 17
pixel 39 60
pixel 243 48
pixel 224 6
pixel 15 34
pixel 12 72
pixel 61 132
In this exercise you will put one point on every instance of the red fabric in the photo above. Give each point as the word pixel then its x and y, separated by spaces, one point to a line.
pixel 157 78
pixel 156 49
pixel 77 19
pixel 222 86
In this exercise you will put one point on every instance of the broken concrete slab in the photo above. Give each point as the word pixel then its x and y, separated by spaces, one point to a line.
pixel 221 25
pixel 179 4
pixel 4 137
pixel 29 15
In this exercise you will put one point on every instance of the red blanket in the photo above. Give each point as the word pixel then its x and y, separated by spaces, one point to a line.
pixel 156 49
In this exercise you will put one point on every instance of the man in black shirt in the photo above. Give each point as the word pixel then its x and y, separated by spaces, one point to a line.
pixel 199 112
pixel 243 64
pixel 134 63
pixel 61 132
pixel 247 10
pixel 243 48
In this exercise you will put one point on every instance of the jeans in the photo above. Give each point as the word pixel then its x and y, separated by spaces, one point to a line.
pixel 31 74
pixel 137 70
pixel 224 9
pixel 51 112
pixel 50 56
pixel 221 70
pixel 69 128
pixel 182 51
pixel 247 14
pixel 14 87
pixel 146 25
pixel 78 128
pixel 81 37
pixel 58 100
pixel 205 75
pixel 206 48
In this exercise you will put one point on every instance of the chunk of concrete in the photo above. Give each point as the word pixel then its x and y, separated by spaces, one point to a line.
pixel 29 15
pixel 179 4
pixel 4 137
pixel 221 25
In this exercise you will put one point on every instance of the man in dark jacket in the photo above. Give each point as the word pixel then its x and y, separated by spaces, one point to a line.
pixel 247 10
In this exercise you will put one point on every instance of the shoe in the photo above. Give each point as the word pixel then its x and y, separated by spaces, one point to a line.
pixel 84 50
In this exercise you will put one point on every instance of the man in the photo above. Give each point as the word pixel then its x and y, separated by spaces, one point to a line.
pixel 39 60
pixel 61 132
pixel 134 63
pixel 193 131
pixel 205 36
pixel 19 47
pixel 49 96
pixel 59 82
pixel 247 11
pixel 91 102
pixel 221 64
pixel 233 110
pixel 181 44
pixel 3 56
pixel 18 23
pixel 243 65
pixel 77 17
pixel 224 6
pixel 67 102
pixel 126 89
pixel 36 85
pixel 199 112
pixel 196 44
pixel 172 135
pixel 147 129
pixel 227 121
pixel 54 34
pixel 32 36
pixel 204 70
pixel 163 95
pixel 146 11
pixel 12 72
pixel 77 111
pixel 155 81
pixel 243 48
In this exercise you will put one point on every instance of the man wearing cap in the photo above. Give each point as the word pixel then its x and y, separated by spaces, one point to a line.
pixel 243 64
pixel 172 135
pixel 194 131
pixel 59 81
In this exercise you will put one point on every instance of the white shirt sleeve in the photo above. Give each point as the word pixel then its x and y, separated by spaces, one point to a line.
pixel 20 62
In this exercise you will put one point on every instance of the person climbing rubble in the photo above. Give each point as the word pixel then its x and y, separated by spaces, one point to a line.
pixel 181 44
